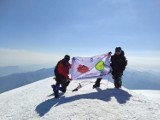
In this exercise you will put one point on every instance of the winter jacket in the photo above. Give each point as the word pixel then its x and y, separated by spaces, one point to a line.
pixel 118 62
pixel 62 68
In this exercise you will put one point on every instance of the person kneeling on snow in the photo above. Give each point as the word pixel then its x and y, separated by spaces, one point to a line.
pixel 118 64
pixel 61 73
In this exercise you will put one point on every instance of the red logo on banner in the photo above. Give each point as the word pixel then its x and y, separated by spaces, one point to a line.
pixel 82 68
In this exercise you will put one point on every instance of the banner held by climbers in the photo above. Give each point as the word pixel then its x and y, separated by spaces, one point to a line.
pixel 91 67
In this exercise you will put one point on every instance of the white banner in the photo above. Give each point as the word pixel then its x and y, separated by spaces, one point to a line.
pixel 90 67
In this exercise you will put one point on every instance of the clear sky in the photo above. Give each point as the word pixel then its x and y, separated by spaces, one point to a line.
pixel 43 31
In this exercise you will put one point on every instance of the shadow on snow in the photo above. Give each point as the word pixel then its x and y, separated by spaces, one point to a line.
pixel 105 95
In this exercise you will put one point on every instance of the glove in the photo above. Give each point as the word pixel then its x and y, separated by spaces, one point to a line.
pixel 55 78
pixel 109 53
pixel 69 79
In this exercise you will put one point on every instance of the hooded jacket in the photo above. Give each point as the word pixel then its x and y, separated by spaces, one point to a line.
pixel 62 69
pixel 118 62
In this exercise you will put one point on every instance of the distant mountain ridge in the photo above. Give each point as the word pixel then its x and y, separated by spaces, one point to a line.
pixel 4 71
pixel 17 80
pixel 132 79
pixel 8 70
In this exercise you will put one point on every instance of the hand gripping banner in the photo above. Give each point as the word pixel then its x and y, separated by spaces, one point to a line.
pixel 91 67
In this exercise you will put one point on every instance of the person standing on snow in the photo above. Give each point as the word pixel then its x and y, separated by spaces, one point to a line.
pixel 118 64
pixel 61 73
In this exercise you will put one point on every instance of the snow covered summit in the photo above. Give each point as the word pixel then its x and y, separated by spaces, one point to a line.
pixel 36 102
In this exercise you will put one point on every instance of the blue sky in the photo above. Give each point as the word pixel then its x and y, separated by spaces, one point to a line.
pixel 42 31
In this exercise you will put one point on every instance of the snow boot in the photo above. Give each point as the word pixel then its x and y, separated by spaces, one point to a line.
pixel 97 83
pixel 62 89
pixel 55 90
pixel 118 82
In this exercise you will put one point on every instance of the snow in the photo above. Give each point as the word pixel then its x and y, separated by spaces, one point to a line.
pixel 151 94
pixel 36 102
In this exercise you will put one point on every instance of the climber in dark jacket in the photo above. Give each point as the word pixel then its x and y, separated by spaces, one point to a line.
pixel 118 64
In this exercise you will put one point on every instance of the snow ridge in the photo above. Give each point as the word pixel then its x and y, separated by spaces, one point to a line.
pixel 36 101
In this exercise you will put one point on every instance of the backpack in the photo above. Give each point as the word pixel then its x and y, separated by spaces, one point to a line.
pixel 56 68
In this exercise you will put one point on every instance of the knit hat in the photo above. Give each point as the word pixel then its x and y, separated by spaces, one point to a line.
pixel 67 57
pixel 118 49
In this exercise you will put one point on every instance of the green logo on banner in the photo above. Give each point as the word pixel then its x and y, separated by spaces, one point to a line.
pixel 100 66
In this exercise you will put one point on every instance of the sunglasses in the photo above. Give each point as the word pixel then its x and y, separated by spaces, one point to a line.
pixel 118 51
